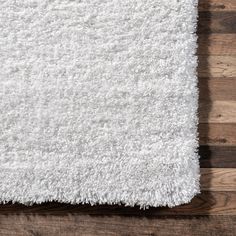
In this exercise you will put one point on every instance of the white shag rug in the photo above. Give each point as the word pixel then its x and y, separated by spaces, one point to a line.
pixel 98 101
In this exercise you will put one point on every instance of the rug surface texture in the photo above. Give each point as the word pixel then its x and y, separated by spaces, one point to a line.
pixel 98 101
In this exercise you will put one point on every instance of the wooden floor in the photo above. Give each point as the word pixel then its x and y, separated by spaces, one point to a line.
pixel 213 212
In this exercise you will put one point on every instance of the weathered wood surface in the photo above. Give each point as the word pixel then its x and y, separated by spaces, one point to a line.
pixel 217 156
pixel 217 89
pixel 217 5
pixel 217 112
pixel 217 22
pixel 217 66
pixel 217 44
pixel 87 225
pixel 218 179
pixel 217 134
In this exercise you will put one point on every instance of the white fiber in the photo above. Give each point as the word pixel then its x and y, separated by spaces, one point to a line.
pixel 98 101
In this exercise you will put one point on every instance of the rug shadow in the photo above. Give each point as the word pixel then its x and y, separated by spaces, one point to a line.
pixel 205 101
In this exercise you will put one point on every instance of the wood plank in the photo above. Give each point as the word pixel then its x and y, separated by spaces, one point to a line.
pixel 216 22
pixel 212 89
pixel 217 112
pixel 86 225
pixel 218 179
pixel 217 134
pixel 217 44
pixel 217 156
pixel 206 203
pixel 217 66
pixel 217 5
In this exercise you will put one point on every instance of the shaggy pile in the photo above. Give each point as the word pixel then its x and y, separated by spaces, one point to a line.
pixel 98 101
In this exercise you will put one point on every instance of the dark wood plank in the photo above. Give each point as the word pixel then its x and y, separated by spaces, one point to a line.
pixel 217 134
pixel 217 156
pixel 217 44
pixel 87 225
pixel 207 203
pixel 217 5
pixel 216 22
pixel 217 89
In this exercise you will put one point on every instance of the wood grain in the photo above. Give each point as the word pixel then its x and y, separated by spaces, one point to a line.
pixel 216 22
pixel 217 5
pixel 87 225
pixel 217 112
pixel 217 134
pixel 217 89
pixel 217 44
pixel 206 203
pixel 217 156
pixel 218 179
pixel 217 66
